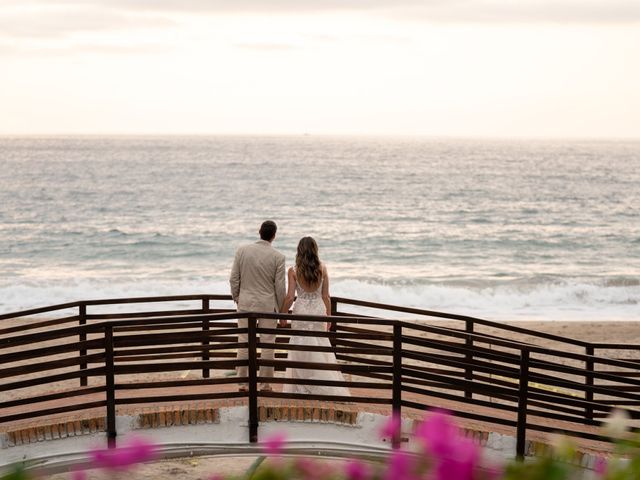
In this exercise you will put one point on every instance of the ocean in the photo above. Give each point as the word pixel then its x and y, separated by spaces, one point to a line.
pixel 503 230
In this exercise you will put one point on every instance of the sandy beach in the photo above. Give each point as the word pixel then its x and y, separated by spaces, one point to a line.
pixel 605 331
pixel 608 331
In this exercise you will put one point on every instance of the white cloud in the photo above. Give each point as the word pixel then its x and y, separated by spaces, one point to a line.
pixel 527 11
pixel 578 11
pixel 26 26
pixel 62 20
pixel 266 47
pixel 405 67
pixel 60 15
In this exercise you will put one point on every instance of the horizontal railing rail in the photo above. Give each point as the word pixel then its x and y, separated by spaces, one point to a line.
pixel 395 363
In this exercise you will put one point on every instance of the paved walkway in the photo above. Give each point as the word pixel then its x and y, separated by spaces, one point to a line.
pixel 270 409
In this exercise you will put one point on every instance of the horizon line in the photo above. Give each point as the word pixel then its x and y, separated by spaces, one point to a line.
pixel 326 135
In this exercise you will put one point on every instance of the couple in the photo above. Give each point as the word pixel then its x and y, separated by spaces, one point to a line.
pixel 258 285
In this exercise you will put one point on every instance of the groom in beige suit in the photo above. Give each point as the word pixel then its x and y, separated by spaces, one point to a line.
pixel 257 285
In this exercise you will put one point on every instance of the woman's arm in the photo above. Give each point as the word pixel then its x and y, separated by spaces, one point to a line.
pixel 325 290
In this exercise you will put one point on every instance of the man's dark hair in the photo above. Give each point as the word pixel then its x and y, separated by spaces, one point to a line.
pixel 268 230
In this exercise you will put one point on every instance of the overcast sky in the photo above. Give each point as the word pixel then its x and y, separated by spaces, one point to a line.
pixel 495 68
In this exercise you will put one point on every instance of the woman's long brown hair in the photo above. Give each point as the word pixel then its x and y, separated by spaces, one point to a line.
pixel 308 265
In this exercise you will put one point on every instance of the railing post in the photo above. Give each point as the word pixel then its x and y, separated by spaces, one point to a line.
pixel 253 380
pixel 396 401
pixel 523 390
pixel 110 386
pixel 468 372
pixel 589 381
pixel 82 320
pixel 205 342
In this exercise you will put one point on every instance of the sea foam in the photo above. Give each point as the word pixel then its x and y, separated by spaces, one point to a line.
pixel 568 300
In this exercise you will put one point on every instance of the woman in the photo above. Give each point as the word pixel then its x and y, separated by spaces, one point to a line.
pixel 309 280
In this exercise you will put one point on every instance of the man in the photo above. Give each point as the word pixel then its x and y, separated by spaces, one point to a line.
pixel 257 285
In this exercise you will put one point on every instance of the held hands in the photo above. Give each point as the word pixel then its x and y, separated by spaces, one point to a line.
pixel 282 323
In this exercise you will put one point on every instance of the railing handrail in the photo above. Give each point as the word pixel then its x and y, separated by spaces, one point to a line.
pixel 114 301
pixel 469 361
pixel 97 326
pixel 336 299
pixel 94 328
pixel 35 311
pixel 452 316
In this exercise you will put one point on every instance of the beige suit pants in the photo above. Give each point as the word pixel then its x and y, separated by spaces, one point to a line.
pixel 267 353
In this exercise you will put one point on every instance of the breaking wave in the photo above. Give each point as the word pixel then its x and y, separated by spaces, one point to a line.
pixel 553 300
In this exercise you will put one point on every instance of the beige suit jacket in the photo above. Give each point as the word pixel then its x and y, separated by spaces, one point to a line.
pixel 257 278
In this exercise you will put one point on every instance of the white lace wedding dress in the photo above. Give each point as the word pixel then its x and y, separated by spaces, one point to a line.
pixel 310 303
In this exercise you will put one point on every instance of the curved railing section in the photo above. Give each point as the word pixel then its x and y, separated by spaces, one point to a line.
pixel 74 358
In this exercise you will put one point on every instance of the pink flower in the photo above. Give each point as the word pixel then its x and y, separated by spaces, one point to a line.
pixel 460 466
pixel 274 443
pixel 455 456
pixel 391 427
pixel 438 433
pixel 136 450
pixel 216 476
pixel 600 466
pixel 400 466
pixel 357 470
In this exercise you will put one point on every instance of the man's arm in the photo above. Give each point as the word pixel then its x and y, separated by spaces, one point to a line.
pixel 234 278
pixel 280 286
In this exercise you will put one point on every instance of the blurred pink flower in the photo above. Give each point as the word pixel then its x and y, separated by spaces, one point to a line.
pixel 438 433
pixel 600 466
pixel 400 466
pixel 136 450
pixel 274 443
pixel 391 427
pixel 357 470
pixel 455 456
pixel 461 466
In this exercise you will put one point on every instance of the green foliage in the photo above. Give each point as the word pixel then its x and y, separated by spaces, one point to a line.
pixel 625 464
pixel 544 468
pixel 18 473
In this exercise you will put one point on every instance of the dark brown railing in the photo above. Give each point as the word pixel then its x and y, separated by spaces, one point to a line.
pixel 402 364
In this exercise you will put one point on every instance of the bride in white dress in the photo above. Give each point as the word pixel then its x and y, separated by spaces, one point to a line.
pixel 309 280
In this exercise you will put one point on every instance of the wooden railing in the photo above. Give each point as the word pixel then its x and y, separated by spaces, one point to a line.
pixel 98 361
